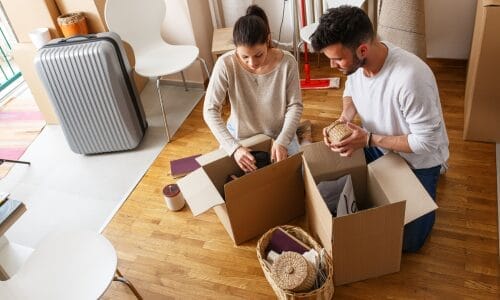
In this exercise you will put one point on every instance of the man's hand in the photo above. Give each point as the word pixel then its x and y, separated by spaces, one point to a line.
pixel 245 159
pixel 325 138
pixel 278 152
pixel 347 146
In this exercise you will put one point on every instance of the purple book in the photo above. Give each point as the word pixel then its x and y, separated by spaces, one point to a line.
pixel 183 166
pixel 283 241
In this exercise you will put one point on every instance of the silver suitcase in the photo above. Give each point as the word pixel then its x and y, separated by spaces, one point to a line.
pixel 90 83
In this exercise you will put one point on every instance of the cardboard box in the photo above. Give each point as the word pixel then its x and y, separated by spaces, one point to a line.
pixel 100 6
pixel 26 15
pixel 368 243
pixel 140 82
pixel 24 55
pixel 363 245
pixel 482 90
pixel 254 203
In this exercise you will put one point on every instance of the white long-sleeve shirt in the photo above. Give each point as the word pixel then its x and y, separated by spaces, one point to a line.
pixel 403 99
pixel 269 103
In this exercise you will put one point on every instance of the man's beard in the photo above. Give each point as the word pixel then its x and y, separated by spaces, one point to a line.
pixel 356 64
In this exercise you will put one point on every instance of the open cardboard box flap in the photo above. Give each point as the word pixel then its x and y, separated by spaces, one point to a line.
pixel 401 184
pixel 199 192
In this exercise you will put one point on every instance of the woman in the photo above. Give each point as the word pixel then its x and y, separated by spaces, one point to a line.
pixel 262 84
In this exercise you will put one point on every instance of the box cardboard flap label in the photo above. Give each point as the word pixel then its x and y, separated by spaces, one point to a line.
pixel 199 192
pixel 400 183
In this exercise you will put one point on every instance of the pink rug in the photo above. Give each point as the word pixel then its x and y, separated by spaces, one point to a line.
pixel 11 153
pixel 20 124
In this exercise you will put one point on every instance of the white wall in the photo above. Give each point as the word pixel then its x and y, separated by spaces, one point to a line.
pixel 234 9
pixel 274 12
pixel 448 27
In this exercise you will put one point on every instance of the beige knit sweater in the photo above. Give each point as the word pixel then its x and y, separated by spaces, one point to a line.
pixel 269 103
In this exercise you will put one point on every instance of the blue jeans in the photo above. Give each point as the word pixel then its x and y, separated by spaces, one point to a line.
pixel 417 231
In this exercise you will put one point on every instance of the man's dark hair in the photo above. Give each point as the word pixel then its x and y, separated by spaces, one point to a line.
pixel 347 25
pixel 252 28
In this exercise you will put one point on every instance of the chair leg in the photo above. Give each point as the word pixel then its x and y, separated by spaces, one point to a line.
pixel 184 81
pixel 119 277
pixel 298 52
pixel 205 66
pixel 162 108
pixel 2 160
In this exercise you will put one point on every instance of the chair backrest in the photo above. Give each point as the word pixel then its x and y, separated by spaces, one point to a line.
pixel 137 22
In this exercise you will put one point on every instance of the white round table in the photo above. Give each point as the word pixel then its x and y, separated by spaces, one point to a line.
pixel 65 265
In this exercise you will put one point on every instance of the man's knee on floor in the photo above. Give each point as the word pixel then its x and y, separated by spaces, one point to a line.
pixel 416 232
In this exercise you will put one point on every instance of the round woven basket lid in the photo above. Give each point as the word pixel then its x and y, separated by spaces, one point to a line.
pixel 338 131
pixel 291 271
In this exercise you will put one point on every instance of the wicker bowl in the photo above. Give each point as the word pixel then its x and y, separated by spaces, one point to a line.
pixel 324 292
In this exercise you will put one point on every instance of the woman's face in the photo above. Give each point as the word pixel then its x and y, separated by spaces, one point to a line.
pixel 254 57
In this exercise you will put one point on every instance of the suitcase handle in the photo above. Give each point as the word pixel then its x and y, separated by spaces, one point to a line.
pixel 77 38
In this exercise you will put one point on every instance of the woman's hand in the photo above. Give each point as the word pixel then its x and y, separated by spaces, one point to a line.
pixel 278 152
pixel 355 141
pixel 245 159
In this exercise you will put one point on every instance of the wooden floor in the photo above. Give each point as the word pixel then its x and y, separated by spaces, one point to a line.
pixel 175 255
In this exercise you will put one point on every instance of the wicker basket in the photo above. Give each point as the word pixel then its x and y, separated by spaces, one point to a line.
pixel 324 292
pixel 337 131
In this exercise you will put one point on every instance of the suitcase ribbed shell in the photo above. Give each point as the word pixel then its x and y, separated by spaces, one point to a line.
pixel 90 85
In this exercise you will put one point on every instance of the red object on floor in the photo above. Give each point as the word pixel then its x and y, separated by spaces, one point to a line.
pixel 309 83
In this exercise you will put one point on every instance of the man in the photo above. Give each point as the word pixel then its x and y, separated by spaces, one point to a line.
pixel 396 96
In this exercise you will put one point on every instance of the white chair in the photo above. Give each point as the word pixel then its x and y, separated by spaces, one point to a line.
pixel 138 23
pixel 66 265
